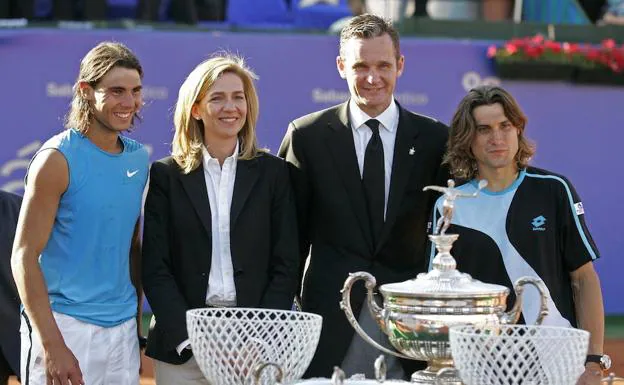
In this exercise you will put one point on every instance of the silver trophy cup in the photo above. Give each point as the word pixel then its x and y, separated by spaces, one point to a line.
pixel 416 314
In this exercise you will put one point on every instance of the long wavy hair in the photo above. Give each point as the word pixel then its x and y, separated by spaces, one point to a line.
pixel 189 133
pixel 459 156
pixel 93 67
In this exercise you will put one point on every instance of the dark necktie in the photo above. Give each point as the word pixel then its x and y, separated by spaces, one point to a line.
pixel 373 180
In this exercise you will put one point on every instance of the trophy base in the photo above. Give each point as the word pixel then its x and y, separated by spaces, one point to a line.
pixel 429 376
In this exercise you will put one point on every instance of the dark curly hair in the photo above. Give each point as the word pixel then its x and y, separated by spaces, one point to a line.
pixel 459 156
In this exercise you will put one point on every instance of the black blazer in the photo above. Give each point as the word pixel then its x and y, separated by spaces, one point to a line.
pixel 332 215
pixel 9 298
pixel 177 245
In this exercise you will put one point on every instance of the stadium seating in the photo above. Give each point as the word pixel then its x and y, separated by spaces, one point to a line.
pixel 554 11
pixel 117 9
pixel 247 13
pixel 288 14
pixel 122 9
pixel 319 16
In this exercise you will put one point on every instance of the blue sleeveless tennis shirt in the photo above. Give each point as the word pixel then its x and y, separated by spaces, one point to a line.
pixel 86 260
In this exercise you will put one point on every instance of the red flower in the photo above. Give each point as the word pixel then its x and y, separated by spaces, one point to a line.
pixel 552 46
pixel 618 56
pixel 592 54
pixel 537 39
pixel 607 56
pixel 511 48
pixel 491 51
pixel 615 67
pixel 608 43
pixel 534 51
pixel 520 43
pixel 570 48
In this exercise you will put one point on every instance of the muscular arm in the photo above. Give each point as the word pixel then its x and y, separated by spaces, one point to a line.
pixel 590 316
pixel 48 178
pixel 589 306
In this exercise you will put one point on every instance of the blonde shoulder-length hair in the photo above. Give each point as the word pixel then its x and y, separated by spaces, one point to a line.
pixel 189 132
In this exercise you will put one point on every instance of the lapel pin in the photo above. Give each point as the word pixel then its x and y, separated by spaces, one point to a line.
pixel 412 151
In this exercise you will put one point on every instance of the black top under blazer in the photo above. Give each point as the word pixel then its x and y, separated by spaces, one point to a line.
pixel 9 298
pixel 177 245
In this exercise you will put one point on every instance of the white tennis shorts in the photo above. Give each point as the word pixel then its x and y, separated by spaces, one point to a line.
pixel 107 356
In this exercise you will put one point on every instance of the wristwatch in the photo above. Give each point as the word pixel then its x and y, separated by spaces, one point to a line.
pixel 601 359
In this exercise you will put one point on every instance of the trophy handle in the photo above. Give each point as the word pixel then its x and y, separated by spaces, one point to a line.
pixel 375 310
pixel 381 368
pixel 257 372
pixel 514 314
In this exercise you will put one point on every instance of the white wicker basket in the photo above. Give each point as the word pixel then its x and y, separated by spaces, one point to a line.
pixel 228 343
pixel 518 354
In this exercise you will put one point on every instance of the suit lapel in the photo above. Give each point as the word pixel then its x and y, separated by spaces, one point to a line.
pixel 342 149
pixel 406 153
pixel 246 177
pixel 194 184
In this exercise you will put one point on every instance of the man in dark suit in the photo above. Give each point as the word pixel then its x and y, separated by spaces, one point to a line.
pixel 9 299
pixel 358 170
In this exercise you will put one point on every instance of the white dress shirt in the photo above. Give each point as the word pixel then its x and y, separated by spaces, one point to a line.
pixel 389 122
pixel 220 186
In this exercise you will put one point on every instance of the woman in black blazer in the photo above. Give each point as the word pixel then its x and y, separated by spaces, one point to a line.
pixel 220 226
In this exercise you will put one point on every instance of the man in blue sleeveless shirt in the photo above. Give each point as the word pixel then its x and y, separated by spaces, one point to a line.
pixel 526 222
pixel 75 258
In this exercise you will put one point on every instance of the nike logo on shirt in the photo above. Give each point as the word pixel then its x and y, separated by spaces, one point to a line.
pixel 130 174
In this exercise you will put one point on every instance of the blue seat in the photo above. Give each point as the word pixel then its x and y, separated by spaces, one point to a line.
pixel 319 16
pixel 254 12
pixel 554 11
pixel 122 9
pixel 42 9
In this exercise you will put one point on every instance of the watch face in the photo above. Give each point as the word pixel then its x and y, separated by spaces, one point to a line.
pixel 605 362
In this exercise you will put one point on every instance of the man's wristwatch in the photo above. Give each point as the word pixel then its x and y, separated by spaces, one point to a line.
pixel 142 342
pixel 601 359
